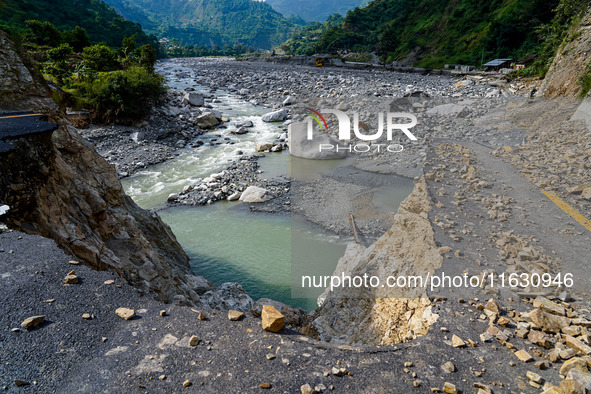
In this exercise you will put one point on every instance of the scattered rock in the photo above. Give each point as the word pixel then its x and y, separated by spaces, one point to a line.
pixel 20 383
pixel 275 116
pixel 255 194
pixel 307 389
pixel 235 315
pixel 33 321
pixel 265 386
pixel 207 121
pixel 549 306
pixel 523 356
pixel 456 341
pixel 272 319
pixel 450 388
pixel 534 377
pixel 573 363
pixel 71 278
pixel 577 345
pixel 448 367
pixel 239 131
pixel 194 340
pixel 263 146
pixel 125 313
pixel 186 383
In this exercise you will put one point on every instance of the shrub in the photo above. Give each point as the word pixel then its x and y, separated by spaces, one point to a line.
pixel 42 33
pixel 76 38
pixel 148 57
pixel 585 82
pixel 122 96
pixel 99 57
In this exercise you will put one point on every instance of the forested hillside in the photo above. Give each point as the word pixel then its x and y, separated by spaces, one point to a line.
pixel 101 22
pixel 431 33
pixel 315 10
pixel 210 22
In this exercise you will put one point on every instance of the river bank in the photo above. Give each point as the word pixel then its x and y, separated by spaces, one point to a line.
pixel 202 166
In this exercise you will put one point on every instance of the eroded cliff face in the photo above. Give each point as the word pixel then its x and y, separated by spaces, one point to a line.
pixel 57 186
pixel 571 62
pixel 384 316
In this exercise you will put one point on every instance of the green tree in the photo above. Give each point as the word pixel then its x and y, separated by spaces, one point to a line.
pixel 123 95
pixel 76 38
pixel 60 54
pixel 42 33
pixel 148 57
pixel 99 57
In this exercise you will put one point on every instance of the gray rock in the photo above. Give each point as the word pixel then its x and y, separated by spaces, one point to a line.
pixel 234 196
pixel 246 123
pixel 289 101
pixel 448 367
pixel 172 197
pixel 275 116
pixel 194 99
pixel 207 121
pixel 447 110
pixel 300 146
pixel 263 146
pixel 240 130
pixel 199 284
pixel 138 137
pixel 228 296
pixel 255 194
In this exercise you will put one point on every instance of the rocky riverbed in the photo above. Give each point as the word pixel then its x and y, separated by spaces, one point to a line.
pixel 472 212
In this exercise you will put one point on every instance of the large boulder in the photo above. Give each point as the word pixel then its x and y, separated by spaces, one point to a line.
pixel 207 121
pixel 194 99
pixel 255 194
pixel 301 146
pixel 275 116
pixel 227 296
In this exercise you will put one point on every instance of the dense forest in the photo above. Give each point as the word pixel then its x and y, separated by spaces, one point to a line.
pixel 315 10
pixel 431 33
pixel 210 22
pixel 92 58
pixel 101 22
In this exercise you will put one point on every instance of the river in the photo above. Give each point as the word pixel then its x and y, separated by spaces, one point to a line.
pixel 225 241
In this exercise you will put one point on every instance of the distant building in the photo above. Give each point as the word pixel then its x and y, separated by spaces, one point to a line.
pixel 497 64
pixel 459 67
pixel 526 61
pixel 164 41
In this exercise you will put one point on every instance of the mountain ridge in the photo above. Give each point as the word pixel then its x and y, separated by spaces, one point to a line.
pixel 203 22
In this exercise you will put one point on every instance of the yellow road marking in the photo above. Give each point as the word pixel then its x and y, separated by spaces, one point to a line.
pixel 18 116
pixel 568 209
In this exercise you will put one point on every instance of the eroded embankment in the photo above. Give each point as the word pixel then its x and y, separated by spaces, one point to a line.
pixel 384 316
pixel 57 186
